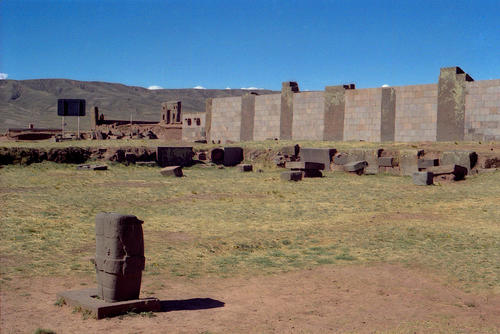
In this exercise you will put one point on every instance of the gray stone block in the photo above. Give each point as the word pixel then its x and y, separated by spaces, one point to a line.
pixel 458 171
pixel 320 155
pixel 356 166
pixel 423 178
pixel 304 165
pixel 341 159
pixel 426 163
pixel 385 161
pixel 467 159
pixel 312 173
pixel 91 167
pixel 146 163
pixel 172 171
pixel 291 176
pixel 408 161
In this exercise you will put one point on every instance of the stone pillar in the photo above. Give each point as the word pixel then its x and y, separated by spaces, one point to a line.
pixel 247 117
pixel 334 112
pixel 208 118
pixel 451 104
pixel 388 114
pixel 94 118
pixel 286 116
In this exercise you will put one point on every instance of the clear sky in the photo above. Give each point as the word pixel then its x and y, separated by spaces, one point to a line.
pixel 219 44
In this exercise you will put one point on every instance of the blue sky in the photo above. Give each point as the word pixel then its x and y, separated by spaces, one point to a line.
pixel 219 44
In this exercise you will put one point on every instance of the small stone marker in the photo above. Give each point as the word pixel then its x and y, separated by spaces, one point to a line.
pixel 245 167
pixel 291 176
pixel 91 167
pixel 423 178
pixel 355 167
pixel 385 161
pixel 172 171
pixel 146 163
pixel 426 163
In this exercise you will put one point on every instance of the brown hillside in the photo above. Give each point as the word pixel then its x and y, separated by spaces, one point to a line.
pixel 35 101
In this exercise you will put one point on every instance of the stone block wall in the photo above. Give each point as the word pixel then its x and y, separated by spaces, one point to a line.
pixel 267 117
pixel 226 119
pixel 308 116
pixel 416 113
pixel 482 110
pixel 362 114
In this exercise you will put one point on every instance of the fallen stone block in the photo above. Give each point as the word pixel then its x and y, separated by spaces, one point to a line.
pixel 217 156
pixel 172 171
pixel 458 171
pixel 319 155
pixel 91 167
pixel 355 167
pixel 245 167
pixel 233 156
pixel 385 161
pixel 291 176
pixel 130 157
pixel 426 163
pixel 467 159
pixel 341 159
pixel 312 173
pixel 423 178
pixel 304 165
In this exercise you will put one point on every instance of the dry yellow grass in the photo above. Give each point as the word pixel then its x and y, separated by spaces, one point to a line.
pixel 224 223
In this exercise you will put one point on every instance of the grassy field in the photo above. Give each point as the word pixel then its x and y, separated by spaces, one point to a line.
pixel 219 222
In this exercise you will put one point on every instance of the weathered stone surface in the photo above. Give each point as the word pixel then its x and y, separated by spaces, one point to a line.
pixel 86 299
pixel 388 114
pixel 467 159
pixel 91 167
pixel 312 173
pixel 356 166
pixel 304 165
pixel 233 156
pixel 320 155
pixel 172 171
pixel 291 176
pixel 426 163
pixel 290 151
pixel 423 178
pixel 408 161
pixel 341 159
pixel 458 171
pixel 385 161
pixel 245 167
pixel 174 156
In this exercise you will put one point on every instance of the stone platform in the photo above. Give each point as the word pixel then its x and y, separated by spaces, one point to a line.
pixel 102 309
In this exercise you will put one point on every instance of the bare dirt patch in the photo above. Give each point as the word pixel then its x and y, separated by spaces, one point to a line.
pixel 361 299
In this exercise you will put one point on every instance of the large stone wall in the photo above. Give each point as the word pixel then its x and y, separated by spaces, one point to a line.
pixel 482 110
pixel 455 108
pixel 416 113
pixel 226 119
pixel 267 117
pixel 362 114
pixel 308 116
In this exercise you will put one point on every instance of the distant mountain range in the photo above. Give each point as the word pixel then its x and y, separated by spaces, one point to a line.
pixel 35 101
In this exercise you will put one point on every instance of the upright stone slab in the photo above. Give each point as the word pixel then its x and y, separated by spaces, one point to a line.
pixel 423 178
pixel 467 159
pixel 247 117
pixel 408 161
pixel 335 112
pixel 119 260
pixel 388 114
pixel 208 118
pixel 286 114
pixel 174 156
pixel 451 104
pixel 320 155
pixel 292 176
pixel 233 156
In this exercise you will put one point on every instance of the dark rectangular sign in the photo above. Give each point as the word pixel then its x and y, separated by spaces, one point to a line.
pixel 70 107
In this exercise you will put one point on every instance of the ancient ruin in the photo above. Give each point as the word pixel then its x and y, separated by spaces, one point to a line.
pixel 457 108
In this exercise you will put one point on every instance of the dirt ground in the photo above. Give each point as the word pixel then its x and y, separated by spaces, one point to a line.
pixel 359 299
